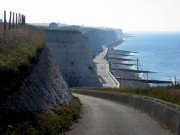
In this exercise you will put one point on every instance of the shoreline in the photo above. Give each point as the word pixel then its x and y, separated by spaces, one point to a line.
pixel 123 71
pixel 103 71
pixel 157 52
pixel 118 68
pixel 119 61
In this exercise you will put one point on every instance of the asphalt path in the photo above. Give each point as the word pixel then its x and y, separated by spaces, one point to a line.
pixel 104 117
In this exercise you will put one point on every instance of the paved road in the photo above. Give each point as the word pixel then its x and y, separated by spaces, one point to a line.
pixel 102 69
pixel 104 117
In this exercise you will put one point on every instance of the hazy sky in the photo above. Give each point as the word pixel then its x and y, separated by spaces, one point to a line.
pixel 130 15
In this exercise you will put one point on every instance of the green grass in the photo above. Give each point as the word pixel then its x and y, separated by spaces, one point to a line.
pixel 19 45
pixel 169 94
pixel 19 50
pixel 52 123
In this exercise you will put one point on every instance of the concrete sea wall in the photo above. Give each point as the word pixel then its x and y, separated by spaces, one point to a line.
pixel 43 90
pixel 166 113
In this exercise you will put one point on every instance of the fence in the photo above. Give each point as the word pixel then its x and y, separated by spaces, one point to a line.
pixel 15 20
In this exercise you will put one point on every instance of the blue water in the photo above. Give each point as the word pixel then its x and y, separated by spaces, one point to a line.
pixel 157 52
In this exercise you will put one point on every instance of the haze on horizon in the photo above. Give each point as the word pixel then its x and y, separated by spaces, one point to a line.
pixel 130 15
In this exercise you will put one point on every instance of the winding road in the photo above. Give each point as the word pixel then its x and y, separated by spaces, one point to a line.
pixel 104 117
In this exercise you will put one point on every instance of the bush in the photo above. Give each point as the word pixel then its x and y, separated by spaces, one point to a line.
pixel 45 123
pixel 26 129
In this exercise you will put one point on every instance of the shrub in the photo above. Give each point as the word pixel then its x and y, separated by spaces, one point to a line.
pixel 169 94
pixel 45 123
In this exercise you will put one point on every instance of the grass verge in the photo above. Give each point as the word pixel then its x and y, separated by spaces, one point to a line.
pixel 52 123
pixel 18 46
pixel 169 94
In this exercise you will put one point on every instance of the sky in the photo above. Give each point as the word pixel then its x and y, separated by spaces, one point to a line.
pixel 129 15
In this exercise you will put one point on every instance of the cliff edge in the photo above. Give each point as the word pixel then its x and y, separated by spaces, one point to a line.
pixel 43 90
pixel 99 37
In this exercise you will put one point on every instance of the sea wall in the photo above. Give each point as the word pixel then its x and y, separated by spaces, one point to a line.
pixel 43 90
pixel 72 53
pixel 99 37
pixel 166 113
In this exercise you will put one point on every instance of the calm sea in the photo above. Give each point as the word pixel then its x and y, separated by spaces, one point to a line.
pixel 156 52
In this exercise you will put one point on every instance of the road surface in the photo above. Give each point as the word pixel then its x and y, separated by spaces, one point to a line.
pixel 104 117
pixel 102 69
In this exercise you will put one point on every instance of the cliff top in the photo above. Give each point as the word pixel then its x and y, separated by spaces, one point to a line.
pixel 18 46
pixel 18 52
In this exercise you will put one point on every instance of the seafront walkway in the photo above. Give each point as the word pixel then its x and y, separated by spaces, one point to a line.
pixel 102 69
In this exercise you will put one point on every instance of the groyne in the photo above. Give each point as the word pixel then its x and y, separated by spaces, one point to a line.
pixel 122 67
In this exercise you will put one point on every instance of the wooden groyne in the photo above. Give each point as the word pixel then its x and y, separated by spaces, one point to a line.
pixel 133 70
pixel 118 52
pixel 129 77
pixel 145 81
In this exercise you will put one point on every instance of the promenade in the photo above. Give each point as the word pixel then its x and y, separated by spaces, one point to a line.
pixel 102 69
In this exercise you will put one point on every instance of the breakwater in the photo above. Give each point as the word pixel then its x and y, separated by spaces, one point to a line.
pixel 158 51
pixel 123 70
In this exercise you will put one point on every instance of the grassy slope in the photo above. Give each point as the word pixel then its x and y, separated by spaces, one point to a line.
pixel 169 94
pixel 18 51
pixel 18 45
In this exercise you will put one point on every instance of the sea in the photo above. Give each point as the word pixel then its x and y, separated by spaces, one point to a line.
pixel 157 51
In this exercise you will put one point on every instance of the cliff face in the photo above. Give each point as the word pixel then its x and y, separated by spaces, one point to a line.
pixel 72 53
pixel 99 37
pixel 44 89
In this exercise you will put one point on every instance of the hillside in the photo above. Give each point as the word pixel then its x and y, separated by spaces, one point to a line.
pixel 44 89
pixel 19 50
pixel 30 79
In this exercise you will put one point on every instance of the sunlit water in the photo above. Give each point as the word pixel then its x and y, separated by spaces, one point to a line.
pixel 157 52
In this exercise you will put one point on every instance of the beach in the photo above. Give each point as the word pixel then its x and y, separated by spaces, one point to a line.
pixel 119 68
pixel 113 68
pixel 125 68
